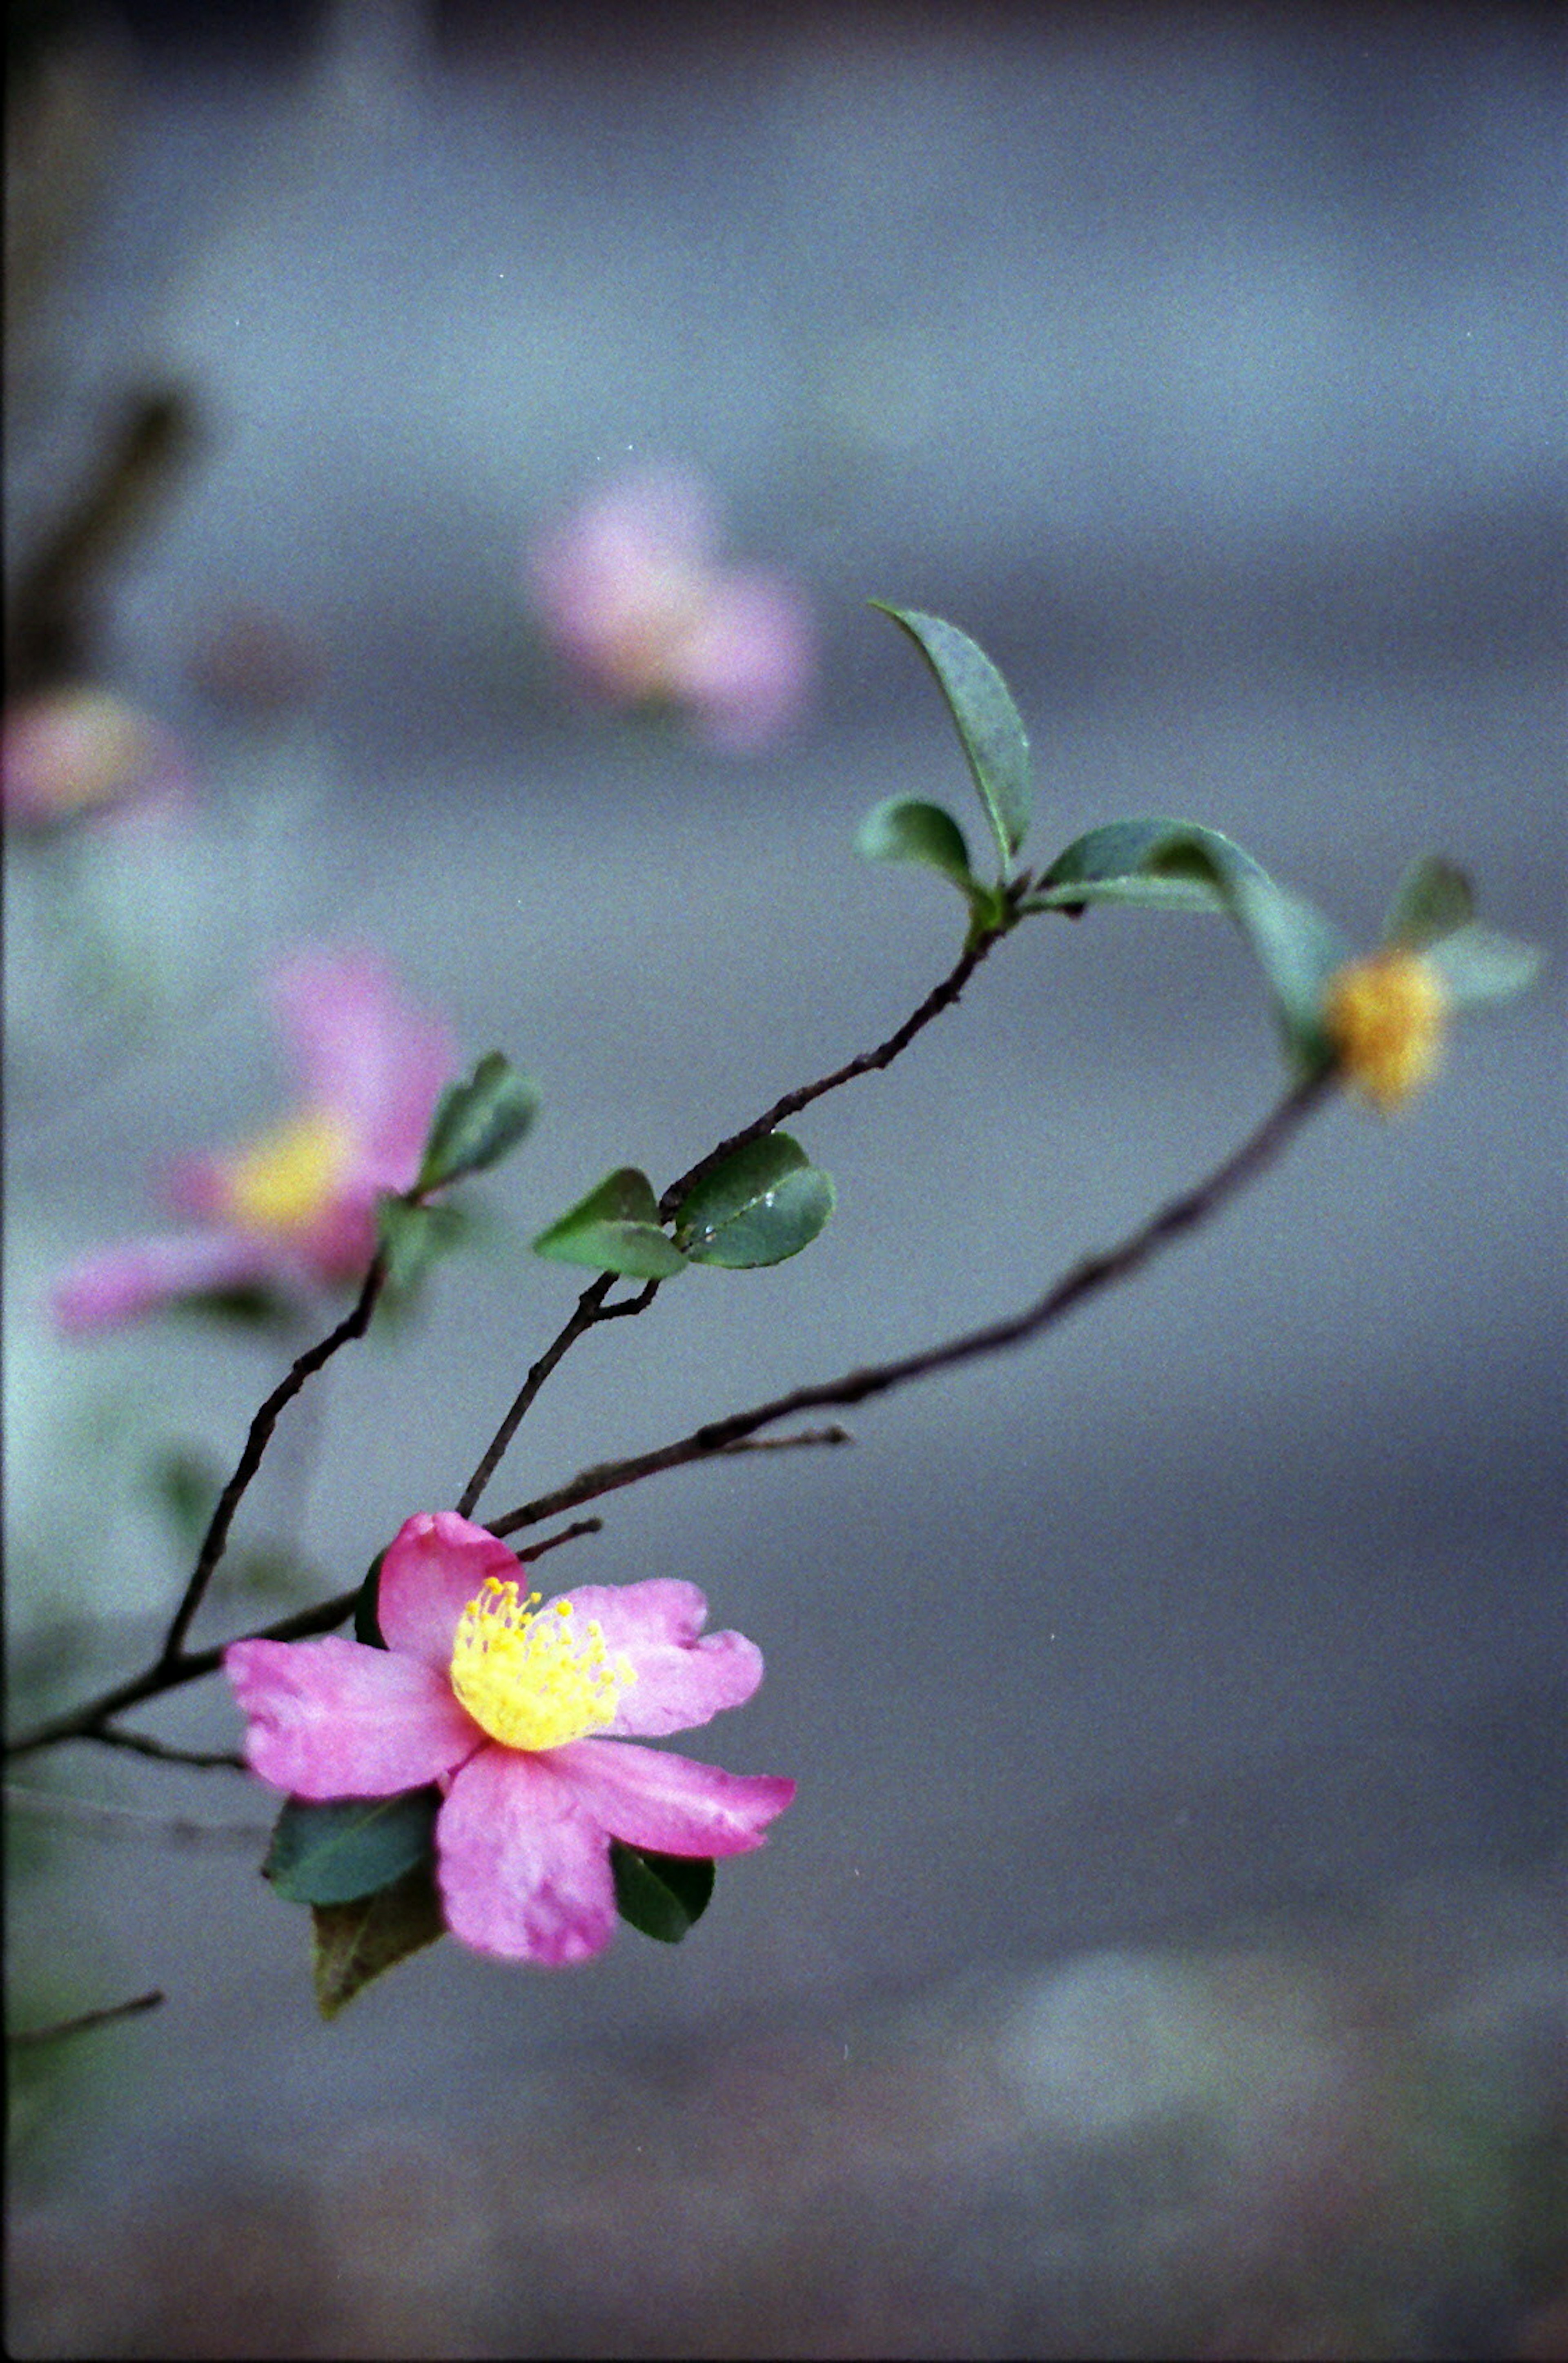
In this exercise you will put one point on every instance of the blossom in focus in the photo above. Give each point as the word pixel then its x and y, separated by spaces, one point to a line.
pixel 68 753
pixel 297 1205
pixel 1386 1017
pixel 632 596
pixel 526 1714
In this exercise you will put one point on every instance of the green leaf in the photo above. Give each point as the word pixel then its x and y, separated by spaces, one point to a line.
pixel 763 1203
pixel 1478 965
pixel 1149 862
pixel 477 1122
pixel 412 1237
pixel 1431 900
pixel 336 1852
pixel 989 725
pixel 184 1484
pixel 367 1601
pixel 662 1895
pixel 614 1228
pixel 904 829
pixel 354 1942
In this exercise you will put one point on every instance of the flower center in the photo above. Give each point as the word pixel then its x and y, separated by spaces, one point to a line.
pixel 533 1682
pixel 1385 1018
pixel 291 1175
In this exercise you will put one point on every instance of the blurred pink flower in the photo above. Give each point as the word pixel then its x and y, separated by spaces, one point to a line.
pixel 298 1205
pixel 69 753
pixel 631 595
pixel 521 1714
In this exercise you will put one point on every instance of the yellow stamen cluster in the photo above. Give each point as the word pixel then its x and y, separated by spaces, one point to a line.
pixel 291 1175
pixel 533 1682
pixel 1386 1017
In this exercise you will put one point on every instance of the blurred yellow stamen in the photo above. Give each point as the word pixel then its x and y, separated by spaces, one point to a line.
pixel 533 1682
pixel 291 1175
pixel 1386 1017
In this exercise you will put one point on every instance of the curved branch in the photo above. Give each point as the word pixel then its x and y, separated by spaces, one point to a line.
pixel 1086 1278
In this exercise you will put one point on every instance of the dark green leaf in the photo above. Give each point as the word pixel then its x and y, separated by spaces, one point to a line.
pixel 904 829
pixel 1431 900
pixel 662 1895
pixel 184 1484
pixel 477 1122
pixel 989 725
pixel 763 1203
pixel 336 1852
pixel 354 1942
pixel 1149 861
pixel 367 1627
pixel 614 1228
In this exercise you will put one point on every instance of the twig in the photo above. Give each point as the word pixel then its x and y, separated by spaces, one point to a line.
pixel 126 1820
pixel 1181 1214
pixel 834 1435
pixel 941 997
pixel 88 2019
pixel 353 1325
pixel 591 1309
pixel 141 1742
pixel 1085 1279
pixel 567 1535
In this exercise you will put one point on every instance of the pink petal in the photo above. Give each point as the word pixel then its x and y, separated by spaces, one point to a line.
pixel 747 667
pixel 333 1718
pixel 523 1870
pixel 433 1568
pixel 366 1054
pixel 653 1799
pixel 111 1288
pixel 681 1681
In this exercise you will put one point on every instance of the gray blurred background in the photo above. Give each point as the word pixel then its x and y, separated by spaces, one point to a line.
pixel 1207 367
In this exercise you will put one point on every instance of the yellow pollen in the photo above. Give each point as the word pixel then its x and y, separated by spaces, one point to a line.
pixel 1385 1018
pixel 288 1179
pixel 533 1682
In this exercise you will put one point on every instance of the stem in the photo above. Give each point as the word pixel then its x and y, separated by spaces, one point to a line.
pixel 1086 1278
pixel 1179 1215
pixel 88 2019
pixel 589 1310
pixel 213 1543
pixel 941 997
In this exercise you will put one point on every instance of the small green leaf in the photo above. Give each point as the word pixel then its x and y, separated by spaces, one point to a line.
pixel 367 1601
pixel 336 1852
pixel 477 1122
pixel 662 1895
pixel 184 1484
pixel 904 829
pixel 762 1205
pixel 1148 862
pixel 412 1237
pixel 614 1228
pixel 989 725
pixel 1431 900
pixel 1478 965
pixel 354 1942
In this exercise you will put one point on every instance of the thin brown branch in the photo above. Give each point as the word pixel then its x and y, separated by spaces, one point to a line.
pixel 567 1535
pixel 941 997
pixel 1086 1278
pixel 126 1820
pixel 834 1435
pixel 353 1325
pixel 591 1309
pixel 87 2019
pixel 141 1742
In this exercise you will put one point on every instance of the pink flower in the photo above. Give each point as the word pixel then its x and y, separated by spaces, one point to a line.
pixel 298 1206
pixel 69 753
pixel 523 1715
pixel 631 595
